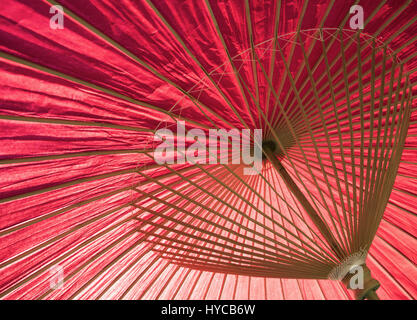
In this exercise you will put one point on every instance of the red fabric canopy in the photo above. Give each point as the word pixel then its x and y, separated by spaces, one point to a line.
pixel 79 106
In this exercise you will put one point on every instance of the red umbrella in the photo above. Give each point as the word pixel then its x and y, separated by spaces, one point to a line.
pixel 86 211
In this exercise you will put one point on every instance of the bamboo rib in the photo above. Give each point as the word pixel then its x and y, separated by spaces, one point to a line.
pixel 361 132
pixel 152 263
pixel 114 261
pixel 243 199
pixel 71 155
pixel 156 259
pixel 295 137
pixel 208 75
pixel 62 257
pixel 351 60
pixel 129 54
pixel 272 61
pixel 284 75
pixel 177 208
pixel 312 137
pixel 226 203
pixel 129 219
pixel 134 283
pixel 68 184
pixel 215 23
pixel 73 123
pixel 196 212
pixel 369 18
pixel 278 139
pixel 95 87
pixel 307 206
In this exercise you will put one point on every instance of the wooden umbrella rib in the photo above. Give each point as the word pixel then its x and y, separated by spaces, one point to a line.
pixel 318 238
pixel 250 196
pixel 234 173
pixel 293 272
pixel 390 276
pixel 42 245
pixel 352 59
pixel 402 29
pixel 93 86
pixel 386 187
pixel 301 267
pixel 234 263
pixel 208 75
pixel 305 176
pixel 321 57
pixel 273 131
pixel 73 123
pixel 227 204
pixel 115 280
pixel 103 270
pixel 369 18
pixel 374 166
pixel 210 218
pixel 67 184
pixel 129 54
pixel 62 257
pixel 273 54
pixel 392 166
pixel 245 229
pixel 342 203
pixel 245 232
pixel 284 74
pixel 307 206
pixel 201 230
pixel 366 59
pixel 231 256
pixel 380 177
pixel 123 273
pixel 249 92
pixel 362 140
pixel 108 213
pixel 14 228
pixel 129 219
pixel 93 258
pixel 228 219
pixel 156 258
pixel 324 53
pixel 290 160
pixel 235 71
pixel 325 88
pixel 239 223
pixel 354 245
pixel 333 243
pixel 325 193
pixel 252 47
pixel 257 210
pixel 71 155
pixel 226 167
pixel 336 74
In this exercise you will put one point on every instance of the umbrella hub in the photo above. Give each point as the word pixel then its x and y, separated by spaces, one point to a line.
pixel 268 145
pixel 279 142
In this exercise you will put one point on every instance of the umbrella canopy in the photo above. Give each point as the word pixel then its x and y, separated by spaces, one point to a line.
pixel 86 212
